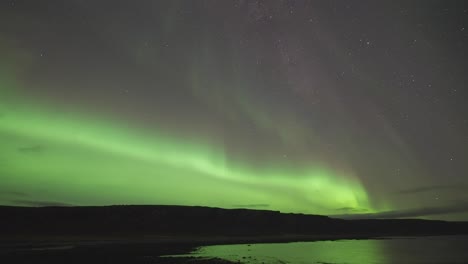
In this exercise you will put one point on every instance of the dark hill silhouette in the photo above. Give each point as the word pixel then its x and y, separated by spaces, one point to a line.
pixel 188 221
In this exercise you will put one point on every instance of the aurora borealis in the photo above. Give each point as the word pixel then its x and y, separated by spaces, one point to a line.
pixel 120 165
pixel 297 106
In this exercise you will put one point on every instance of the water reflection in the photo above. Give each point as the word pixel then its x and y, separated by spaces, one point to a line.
pixel 450 249
pixel 346 251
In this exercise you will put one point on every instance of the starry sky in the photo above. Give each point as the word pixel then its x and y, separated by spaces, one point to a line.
pixel 343 108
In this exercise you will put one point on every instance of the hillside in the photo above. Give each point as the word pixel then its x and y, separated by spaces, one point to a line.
pixel 199 222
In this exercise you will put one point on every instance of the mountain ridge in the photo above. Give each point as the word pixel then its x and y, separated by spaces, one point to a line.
pixel 200 221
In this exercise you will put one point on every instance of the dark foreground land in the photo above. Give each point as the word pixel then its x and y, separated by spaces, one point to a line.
pixel 141 234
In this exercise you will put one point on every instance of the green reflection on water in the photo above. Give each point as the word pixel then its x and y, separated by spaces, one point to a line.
pixel 344 251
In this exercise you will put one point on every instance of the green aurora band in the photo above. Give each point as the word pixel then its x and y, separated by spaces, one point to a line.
pixel 52 155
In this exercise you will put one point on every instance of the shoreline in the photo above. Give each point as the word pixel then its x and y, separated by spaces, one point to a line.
pixel 144 250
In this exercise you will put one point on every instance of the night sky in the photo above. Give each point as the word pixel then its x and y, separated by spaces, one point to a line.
pixel 322 107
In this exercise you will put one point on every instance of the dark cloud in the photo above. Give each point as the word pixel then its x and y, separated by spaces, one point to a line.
pixel 38 203
pixel 351 210
pixel 251 205
pixel 410 213
pixel 31 149
pixel 451 187
pixel 13 193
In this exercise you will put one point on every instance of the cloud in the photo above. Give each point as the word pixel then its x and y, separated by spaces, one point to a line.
pixel 410 213
pixel 450 187
pixel 35 203
pixel 251 205
pixel 351 210
pixel 31 149
pixel 13 193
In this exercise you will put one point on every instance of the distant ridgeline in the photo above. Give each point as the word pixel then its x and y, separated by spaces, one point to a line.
pixel 201 221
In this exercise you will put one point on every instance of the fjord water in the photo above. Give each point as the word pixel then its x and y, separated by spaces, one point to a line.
pixel 447 249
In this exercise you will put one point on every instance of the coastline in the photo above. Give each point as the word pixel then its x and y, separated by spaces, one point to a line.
pixel 142 234
pixel 160 250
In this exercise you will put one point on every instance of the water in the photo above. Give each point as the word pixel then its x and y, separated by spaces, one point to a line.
pixel 448 249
